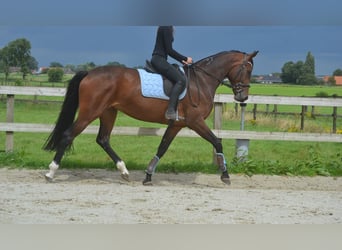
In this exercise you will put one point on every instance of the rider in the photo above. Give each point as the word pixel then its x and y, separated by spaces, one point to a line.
pixel 163 49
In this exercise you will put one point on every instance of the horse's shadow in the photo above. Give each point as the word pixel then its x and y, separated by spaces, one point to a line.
pixel 104 176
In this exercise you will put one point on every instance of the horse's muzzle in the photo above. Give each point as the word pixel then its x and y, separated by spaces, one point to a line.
pixel 241 92
pixel 240 97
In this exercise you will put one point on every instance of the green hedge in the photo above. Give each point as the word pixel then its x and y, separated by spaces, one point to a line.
pixel 55 74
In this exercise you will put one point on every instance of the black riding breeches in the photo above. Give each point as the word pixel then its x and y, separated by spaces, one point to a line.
pixel 167 70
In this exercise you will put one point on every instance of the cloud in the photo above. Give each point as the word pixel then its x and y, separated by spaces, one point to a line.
pixel 175 12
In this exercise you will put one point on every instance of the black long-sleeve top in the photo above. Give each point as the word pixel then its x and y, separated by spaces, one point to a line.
pixel 163 46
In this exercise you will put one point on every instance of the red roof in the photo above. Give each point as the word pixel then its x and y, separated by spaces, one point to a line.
pixel 338 79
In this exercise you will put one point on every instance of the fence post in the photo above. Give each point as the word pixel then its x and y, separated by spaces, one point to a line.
pixel 275 111
pixel 302 115
pixel 254 112
pixel 313 111
pixel 334 115
pixel 218 110
pixel 242 145
pixel 9 118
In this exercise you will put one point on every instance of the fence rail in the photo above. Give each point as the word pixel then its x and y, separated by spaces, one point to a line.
pixel 224 134
pixel 220 99
pixel 304 102
pixel 284 100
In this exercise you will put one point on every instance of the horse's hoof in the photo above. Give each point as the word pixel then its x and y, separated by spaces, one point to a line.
pixel 225 180
pixel 148 180
pixel 48 178
pixel 125 177
pixel 147 183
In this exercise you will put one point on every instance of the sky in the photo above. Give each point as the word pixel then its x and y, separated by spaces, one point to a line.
pixel 102 31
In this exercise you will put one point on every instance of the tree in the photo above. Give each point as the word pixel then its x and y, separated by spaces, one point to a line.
pixel 56 65
pixel 307 76
pixel 309 64
pixel 307 79
pixel 17 54
pixel 337 72
pixel 32 63
pixel 286 75
pixel 299 72
pixel 291 72
pixel 70 68
pixel 86 66
pixel 116 64
pixel 5 61
pixel 20 51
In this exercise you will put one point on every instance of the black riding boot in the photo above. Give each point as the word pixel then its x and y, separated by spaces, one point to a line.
pixel 171 112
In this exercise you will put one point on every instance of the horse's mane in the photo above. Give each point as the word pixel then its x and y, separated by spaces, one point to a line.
pixel 218 54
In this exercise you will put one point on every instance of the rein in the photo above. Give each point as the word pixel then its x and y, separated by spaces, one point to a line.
pixel 195 105
pixel 206 72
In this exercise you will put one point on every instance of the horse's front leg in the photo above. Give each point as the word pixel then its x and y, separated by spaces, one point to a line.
pixel 204 131
pixel 221 161
pixel 168 137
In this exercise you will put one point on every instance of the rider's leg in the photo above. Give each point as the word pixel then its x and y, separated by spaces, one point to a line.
pixel 171 112
pixel 171 73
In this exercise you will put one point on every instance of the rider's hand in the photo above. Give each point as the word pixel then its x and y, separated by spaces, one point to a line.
pixel 188 61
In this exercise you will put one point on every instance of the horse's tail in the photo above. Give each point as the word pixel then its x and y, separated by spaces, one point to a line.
pixel 67 114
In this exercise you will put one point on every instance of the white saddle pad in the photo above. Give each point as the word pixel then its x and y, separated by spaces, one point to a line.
pixel 152 85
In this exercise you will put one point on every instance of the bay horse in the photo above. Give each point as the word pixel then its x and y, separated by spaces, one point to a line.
pixel 105 90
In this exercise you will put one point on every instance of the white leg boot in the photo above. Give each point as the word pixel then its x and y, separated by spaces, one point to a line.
pixel 53 168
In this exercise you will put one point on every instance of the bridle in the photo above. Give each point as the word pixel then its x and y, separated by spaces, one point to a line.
pixel 237 87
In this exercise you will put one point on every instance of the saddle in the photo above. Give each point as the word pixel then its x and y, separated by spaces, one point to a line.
pixel 167 84
pixel 149 67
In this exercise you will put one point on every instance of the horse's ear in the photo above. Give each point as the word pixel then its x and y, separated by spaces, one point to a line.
pixel 250 56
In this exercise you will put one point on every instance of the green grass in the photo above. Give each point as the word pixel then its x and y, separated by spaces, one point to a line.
pixel 186 154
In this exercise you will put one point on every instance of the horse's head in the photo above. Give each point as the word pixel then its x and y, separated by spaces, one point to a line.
pixel 240 76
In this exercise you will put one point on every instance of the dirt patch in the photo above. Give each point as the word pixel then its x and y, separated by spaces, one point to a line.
pixel 101 196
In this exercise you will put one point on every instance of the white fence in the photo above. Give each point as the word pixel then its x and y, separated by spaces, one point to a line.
pixel 10 127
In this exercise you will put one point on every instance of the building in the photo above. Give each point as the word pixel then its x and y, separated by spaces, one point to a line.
pixel 338 79
pixel 268 79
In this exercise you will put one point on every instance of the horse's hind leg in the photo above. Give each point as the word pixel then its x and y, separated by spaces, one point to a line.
pixel 68 137
pixel 107 120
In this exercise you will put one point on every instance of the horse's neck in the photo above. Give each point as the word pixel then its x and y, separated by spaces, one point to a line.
pixel 213 70
pixel 216 71
pixel 225 64
pixel 204 82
